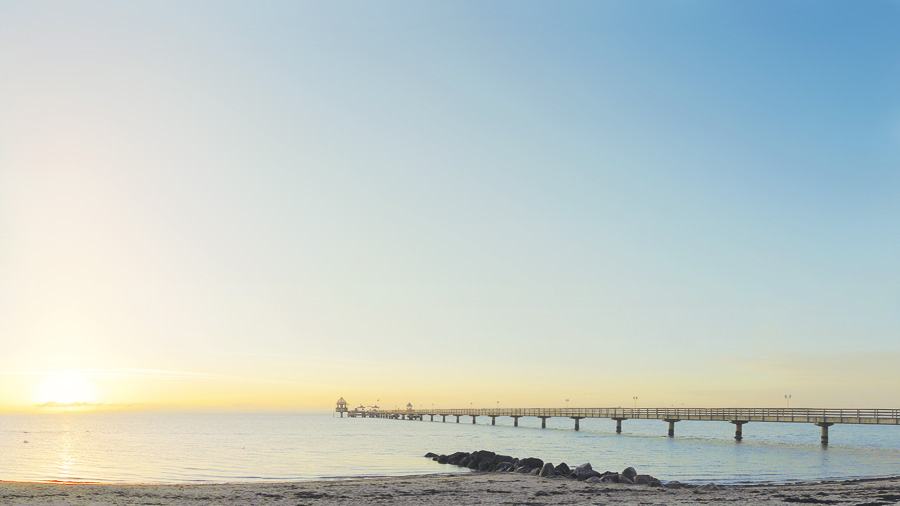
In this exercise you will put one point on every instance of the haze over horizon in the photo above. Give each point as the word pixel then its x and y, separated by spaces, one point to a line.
pixel 267 206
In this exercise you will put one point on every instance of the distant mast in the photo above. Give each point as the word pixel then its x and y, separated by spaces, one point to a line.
pixel 341 407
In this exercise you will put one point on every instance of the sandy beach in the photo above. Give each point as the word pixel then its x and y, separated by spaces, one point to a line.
pixel 450 489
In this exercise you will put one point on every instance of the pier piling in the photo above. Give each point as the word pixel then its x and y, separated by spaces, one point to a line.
pixel 738 431
pixel 824 426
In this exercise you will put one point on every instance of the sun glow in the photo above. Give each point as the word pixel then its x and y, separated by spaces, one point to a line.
pixel 64 390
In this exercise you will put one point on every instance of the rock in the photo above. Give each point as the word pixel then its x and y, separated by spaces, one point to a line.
pixel 593 479
pixel 523 469
pixel 535 472
pixel 457 458
pixel 655 483
pixel 473 462
pixel 643 479
pixel 610 478
pixel 547 471
pixel 501 458
pixel 709 487
pixel 562 469
pixel 484 455
pixel 464 462
pixel 630 472
pixel 485 465
pixel 504 467
pixel 532 462
pixel 674 484
pixel 442 459
pixel 625 479
pixel 585 471
pixel 430 455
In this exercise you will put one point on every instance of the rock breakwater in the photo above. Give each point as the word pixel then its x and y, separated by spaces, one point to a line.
pixel 490 462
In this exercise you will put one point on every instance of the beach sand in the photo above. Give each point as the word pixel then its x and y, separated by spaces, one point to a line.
pixel 449 489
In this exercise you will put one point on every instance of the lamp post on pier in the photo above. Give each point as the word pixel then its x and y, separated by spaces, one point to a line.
pixel 787 399
pixel 635 401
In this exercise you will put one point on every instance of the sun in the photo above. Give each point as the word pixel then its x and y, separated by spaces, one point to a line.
pixel 65 389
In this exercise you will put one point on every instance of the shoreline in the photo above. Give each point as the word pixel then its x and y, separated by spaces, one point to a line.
pixel 448 488
pixel 328 479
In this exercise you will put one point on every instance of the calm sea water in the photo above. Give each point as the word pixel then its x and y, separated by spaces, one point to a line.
pixel 144 448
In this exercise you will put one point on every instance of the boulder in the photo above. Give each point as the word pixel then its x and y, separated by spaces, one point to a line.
pixel 484 455
pixel 485 465
pixel 655 483
pixel 523 469
pixel 473 463
pixel 442 459
pixel 674 484
pixel 585 471
pixel 625 479
pixel 709 487
pixel 504 467
pixel 535 472
pixel 532 462
pixel 610 478
pixel 547 471
pixel 630 472
pixel 643 479
pixel 464 462
pixel 501 458
pixel 562 469
pixel 457 457
pixel 430 455
pixel 593 479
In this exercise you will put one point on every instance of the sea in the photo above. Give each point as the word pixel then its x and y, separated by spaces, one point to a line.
pixel 210 448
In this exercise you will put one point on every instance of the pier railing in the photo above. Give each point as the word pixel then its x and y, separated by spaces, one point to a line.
pixel 799 415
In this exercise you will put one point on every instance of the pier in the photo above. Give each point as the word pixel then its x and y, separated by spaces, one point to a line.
pixel 822 418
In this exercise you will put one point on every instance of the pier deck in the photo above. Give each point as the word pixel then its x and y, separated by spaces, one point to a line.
pixel 823 418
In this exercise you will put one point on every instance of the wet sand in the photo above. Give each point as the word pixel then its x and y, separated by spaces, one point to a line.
pixel 450 489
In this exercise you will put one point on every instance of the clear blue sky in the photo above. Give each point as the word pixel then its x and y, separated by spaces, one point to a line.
pixel 695 202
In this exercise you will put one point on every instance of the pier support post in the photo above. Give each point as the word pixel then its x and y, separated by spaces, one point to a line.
pixel 577 428
pixel 738 429
pixel 543 421
pixel 432 418
pixel 444 418
pixel 515 421
pixel 457 418
pixel 671 426
pixel 493 420
pixel 473 419
pixel 619 424
pixel 824 426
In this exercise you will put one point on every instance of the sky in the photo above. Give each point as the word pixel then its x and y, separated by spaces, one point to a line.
pixel 265 206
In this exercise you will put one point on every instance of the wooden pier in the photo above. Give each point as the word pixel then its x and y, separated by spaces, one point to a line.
pixel 823 418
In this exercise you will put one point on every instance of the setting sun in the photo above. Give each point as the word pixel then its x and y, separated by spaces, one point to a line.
pixel 65 389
